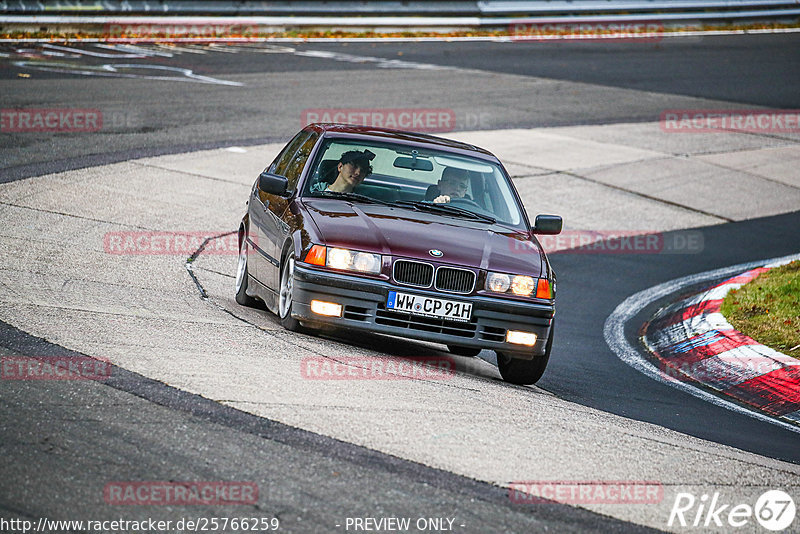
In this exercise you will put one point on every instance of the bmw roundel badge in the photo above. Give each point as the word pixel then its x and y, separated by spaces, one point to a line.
pixel 436 253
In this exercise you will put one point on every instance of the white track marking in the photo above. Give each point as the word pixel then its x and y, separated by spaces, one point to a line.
pixel 112 70
pixel 380 62
pixel 614 333
pixel 778 263
pixel 188 49
pixel 228 49
pixel 269 49
pixel 134 49
pixel 92 53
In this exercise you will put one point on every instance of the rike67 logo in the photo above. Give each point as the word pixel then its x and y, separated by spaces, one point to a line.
pixel 774 510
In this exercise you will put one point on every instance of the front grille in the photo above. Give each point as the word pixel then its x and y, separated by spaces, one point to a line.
pixel 427 324
pixel 454 280
pixel 413 273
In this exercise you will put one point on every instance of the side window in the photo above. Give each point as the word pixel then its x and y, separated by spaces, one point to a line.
pixel 282 161
pixel 296 164
pixel 290 162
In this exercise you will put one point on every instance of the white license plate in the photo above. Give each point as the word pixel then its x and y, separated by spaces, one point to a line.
pixel 429 306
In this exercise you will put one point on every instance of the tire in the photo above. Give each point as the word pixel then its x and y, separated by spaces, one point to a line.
pixel 459 350
pixel 525 372
pixel 286 295
pixel 241 276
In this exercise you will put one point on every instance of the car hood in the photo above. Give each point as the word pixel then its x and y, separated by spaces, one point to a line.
pixel 404 233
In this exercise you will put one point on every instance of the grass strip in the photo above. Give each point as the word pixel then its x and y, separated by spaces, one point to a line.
pixel 767 309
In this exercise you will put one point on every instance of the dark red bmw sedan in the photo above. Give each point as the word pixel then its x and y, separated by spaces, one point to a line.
pixel 403 234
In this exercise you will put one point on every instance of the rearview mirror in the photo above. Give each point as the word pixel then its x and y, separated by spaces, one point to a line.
pixel 274 184
pixel 547 224
pixel 415 164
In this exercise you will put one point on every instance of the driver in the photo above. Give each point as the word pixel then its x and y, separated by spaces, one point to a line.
pixel 453 184
pixel 353 167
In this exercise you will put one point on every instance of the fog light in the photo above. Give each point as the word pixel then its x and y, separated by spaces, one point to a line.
pixel 331 309
pixel 521 338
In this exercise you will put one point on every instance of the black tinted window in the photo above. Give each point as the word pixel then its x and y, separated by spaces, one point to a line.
pixel 291 161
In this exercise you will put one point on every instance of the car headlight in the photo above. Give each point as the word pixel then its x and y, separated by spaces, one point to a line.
pixel 499 283
pixel 345 259
pixel 520 284
pixel 339 258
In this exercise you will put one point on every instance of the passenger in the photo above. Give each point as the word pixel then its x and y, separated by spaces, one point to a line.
pixel 453 184
pixel 353 167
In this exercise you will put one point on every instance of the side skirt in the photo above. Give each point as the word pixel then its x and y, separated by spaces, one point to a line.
pixel 261 291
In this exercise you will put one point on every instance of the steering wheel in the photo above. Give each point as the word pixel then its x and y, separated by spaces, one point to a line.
pixel 466 202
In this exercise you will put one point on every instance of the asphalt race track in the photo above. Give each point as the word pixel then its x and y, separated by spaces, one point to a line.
pixel 632 82
pixel 660 404
pixel 62 442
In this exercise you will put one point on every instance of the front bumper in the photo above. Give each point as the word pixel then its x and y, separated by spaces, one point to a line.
pixel 364 308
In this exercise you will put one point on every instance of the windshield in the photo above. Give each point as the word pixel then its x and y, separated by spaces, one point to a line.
pixel 414 178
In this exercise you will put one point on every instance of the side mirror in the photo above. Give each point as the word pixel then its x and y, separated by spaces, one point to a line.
pixel 547 224
pixel 274 184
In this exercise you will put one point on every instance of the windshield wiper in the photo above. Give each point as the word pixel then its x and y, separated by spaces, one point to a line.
pixel 354 196
pixel 446 209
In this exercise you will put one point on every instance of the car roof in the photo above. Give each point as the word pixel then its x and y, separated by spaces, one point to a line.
pixel 409 138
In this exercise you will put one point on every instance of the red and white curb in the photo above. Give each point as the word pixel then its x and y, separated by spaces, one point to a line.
pixel 692 341
pixel 631 353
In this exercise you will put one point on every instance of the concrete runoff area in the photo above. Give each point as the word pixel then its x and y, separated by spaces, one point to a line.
pixel 62 279
pixel 59 433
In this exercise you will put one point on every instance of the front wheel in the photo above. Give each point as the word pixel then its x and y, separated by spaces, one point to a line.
pixel 525 372
pixel 286 295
